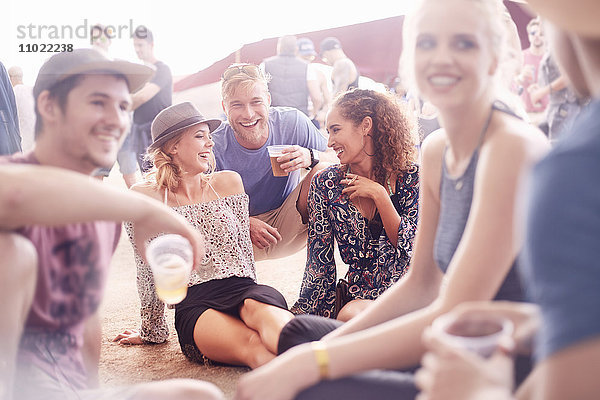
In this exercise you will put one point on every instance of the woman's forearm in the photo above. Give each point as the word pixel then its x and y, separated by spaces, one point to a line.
pixel 395 344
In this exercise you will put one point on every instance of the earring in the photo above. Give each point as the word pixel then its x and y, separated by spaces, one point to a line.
pixel 363 146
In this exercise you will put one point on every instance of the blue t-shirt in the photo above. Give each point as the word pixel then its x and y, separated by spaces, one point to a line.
pixel 561 257
pixel 267 192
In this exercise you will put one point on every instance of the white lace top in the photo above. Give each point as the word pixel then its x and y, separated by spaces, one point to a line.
pixel 224 222
pixel 225 225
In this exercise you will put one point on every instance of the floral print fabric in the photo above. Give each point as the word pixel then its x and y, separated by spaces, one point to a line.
pixel 374 263
pixel 224 223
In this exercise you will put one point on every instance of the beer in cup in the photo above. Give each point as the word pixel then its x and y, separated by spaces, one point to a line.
pixel 274 152
pixel 170 258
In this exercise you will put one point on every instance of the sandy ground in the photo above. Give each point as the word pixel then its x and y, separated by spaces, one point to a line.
pixel 121 365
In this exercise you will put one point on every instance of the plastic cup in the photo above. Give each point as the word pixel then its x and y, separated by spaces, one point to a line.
pixel 170 258
pixel 479 334
pixel 274 152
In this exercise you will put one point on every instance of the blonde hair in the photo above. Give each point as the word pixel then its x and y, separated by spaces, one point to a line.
pixel 243 80
pixel 492 11
pixel 166 173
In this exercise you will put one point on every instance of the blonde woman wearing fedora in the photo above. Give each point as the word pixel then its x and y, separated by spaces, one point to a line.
pixel 226 317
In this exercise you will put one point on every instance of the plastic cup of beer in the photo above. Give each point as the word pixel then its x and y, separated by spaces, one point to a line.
pixel 274 152
pixel 170 258
pixel 480 334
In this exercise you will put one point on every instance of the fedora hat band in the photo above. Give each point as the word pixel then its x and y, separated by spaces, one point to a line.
pixel 180 125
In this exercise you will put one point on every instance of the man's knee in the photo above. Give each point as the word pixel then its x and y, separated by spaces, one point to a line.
pixel 305 182
pixel 302 202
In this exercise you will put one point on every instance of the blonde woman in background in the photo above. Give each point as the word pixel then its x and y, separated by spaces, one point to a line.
pixel 466 245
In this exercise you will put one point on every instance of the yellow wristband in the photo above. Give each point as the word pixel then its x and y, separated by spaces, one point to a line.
pixel 322 358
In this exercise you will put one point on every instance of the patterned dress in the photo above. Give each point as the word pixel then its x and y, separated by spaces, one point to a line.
pixel 225 226
pixel 374 263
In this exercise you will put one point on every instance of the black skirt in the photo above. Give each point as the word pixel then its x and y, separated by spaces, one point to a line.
pixel 224 295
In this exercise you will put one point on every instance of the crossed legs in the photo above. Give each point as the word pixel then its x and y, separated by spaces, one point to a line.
pixel 251 340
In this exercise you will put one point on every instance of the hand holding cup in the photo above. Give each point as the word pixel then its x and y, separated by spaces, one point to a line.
pixel 171 259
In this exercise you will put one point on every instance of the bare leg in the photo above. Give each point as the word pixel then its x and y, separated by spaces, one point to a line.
pixel 352 309
pixel 302 203
pixel 267 320
pixel 226 339
pixel 18 272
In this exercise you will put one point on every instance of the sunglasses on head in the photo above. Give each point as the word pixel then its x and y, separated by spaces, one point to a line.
pixel 250 70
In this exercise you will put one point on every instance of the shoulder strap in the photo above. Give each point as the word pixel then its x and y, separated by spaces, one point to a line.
pixel 485 128
pixel 502 106
pixel 213 189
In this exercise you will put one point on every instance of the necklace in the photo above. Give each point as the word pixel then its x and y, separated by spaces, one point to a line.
pixel 389 186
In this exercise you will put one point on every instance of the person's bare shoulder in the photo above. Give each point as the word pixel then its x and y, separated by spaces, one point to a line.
pixel 344 66
pixel 227 183
pixel 432 149
pixel 148 189
pixel 516 137
pixel 432 152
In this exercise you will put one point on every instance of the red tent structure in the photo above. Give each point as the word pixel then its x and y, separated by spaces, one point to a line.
pixel 373 46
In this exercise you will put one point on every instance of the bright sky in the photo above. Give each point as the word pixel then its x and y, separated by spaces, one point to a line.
pixel 189 36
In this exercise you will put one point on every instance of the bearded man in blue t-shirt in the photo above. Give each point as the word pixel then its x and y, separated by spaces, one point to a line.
pixel 278 204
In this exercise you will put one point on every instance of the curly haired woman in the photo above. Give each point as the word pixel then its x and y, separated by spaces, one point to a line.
pixel 368 204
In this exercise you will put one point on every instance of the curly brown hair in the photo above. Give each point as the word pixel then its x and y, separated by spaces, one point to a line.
pixel 393 134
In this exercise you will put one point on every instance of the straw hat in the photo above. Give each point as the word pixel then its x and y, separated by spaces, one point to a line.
pixel 89 62
pixel 172 120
